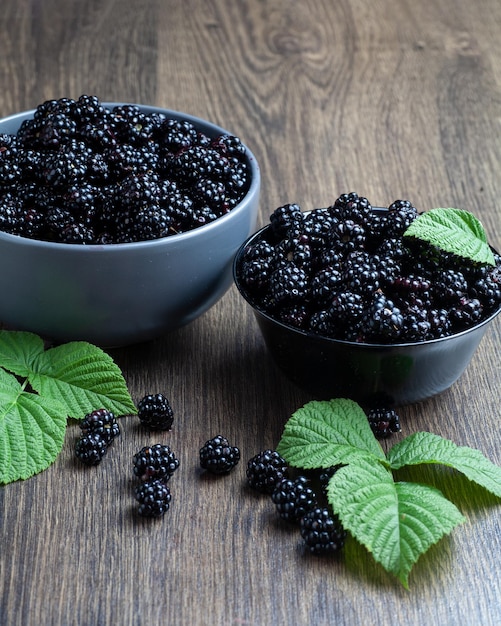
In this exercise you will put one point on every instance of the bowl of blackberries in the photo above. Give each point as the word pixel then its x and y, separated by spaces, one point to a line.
pixel 379 304
pixel 118 222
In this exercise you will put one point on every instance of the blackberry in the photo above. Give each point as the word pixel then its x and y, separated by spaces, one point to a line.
pixel 383 318
pixel 265 470
pixel 466 313
pixel 400 216
pixel 90 449
pixel 218 456
pixel 101 422
pixel 355 208
pixel 361 273
pixel 322 531
pixel 156 461
pixel 288 283
pixel 176 134
pixel 154 498
pixel 155 412
pixel 283 218
pixel 384 421
pixel 296 315
pixel 325 283
pixel 293 498
pixel 325 475
pixel 350 235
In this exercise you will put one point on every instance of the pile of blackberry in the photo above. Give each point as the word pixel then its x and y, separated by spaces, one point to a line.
pixel 98 428
pixel 346 272
pixel 79 172
pixel 154 466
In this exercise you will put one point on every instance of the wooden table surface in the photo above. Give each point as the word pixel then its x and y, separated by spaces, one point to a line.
pixel 390 99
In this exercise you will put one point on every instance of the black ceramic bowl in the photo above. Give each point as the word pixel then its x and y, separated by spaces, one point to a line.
pixel 398 374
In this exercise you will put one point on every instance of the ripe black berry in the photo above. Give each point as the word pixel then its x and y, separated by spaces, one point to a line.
pixel 90 449
pixel 293 498
pixel 154 498
pixel 265 470
pixel 157 461
pixel 383 421
pixel 155 412
pixel 218 456
pixel 322 531
pixel 101 422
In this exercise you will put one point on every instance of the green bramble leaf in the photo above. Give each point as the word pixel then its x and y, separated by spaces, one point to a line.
pixel 32 430
pixel 424 447
pixel 83 377
pixel 40 389
pixel 327 433
pixel 453 230
pixel 396 521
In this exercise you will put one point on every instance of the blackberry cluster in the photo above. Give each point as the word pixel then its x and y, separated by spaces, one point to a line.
pixel 322 531
pixel 154 498
pixel 154 466
pixel 347 272
pixel 157 461
pixel 383 421
pixel 98 430
pixel 293 498
pixel 265 470
pixel 155 412
pixel 217 456
pixel 79 172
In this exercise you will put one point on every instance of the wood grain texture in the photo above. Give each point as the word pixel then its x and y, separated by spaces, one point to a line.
pixel 390 99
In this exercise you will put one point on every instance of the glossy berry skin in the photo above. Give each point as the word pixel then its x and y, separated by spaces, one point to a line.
pixel 90 449
pixel 155 412
pixel 265 470
pixel 322 532
pixel 154 498
pixel 293 498
pixel 157 461
pixel 101 422
pixel 383 421
pixel 217 456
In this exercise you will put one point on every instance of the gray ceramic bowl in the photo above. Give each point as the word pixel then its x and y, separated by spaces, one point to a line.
pixel 397 374
pixel 119 294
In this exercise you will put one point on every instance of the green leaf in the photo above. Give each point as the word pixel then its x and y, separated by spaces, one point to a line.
pixel 19 351
pixel 453 230
pixel 83 378
pixel 424 447
pixel 32 430
pixel 69 380
pixel 327 433
pixel 396 522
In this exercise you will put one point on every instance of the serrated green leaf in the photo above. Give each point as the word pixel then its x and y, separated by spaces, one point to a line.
pixel 423 447
pixel 327 433
pixel 19 350
pixel 32 431
pixel 454 230
pixel 83 377
pixel 396 522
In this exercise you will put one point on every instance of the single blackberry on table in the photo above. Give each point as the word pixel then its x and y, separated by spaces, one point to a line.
pixel 217 456
pixel 265 470
pixel 293 498
pixel 156 461
pixel 384 421
pixel 101 422
pixel 90 449
pixel 322 531
pixel 154 498
pixel 155 412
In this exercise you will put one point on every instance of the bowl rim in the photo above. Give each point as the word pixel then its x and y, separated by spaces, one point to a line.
pixel 330 340
pixel 254 188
